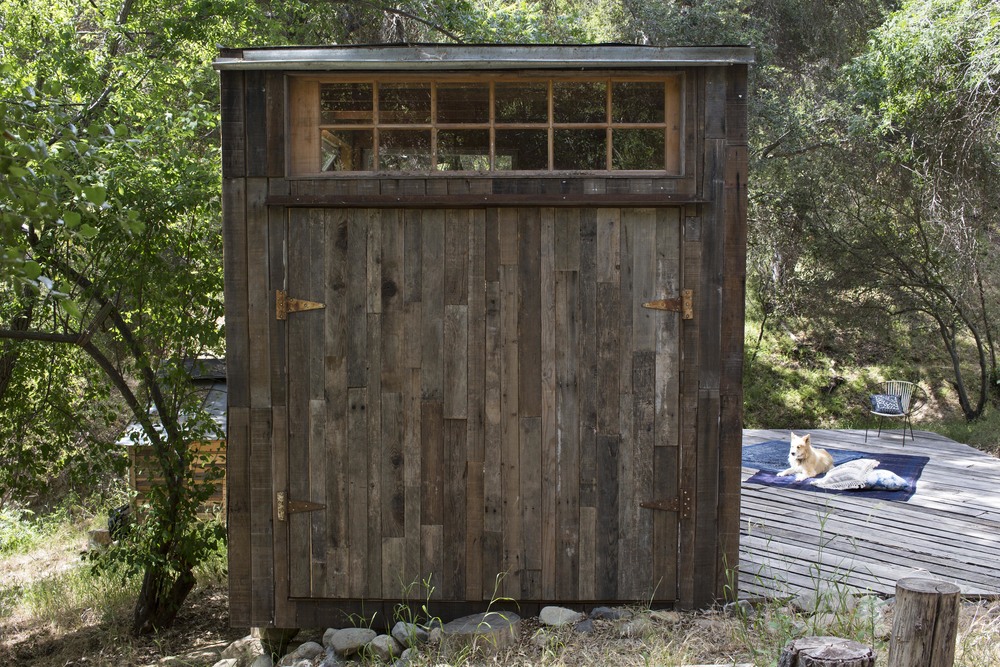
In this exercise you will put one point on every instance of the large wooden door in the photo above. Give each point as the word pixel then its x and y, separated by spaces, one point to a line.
pixel 484 398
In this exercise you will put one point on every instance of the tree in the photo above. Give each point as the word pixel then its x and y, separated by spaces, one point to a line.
pixel 110 227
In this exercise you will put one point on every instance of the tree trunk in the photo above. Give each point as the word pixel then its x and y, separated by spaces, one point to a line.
pixel 926 624
pixel 160 599
pixel 826 652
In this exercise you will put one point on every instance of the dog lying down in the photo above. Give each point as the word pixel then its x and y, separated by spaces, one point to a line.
pixel 806 461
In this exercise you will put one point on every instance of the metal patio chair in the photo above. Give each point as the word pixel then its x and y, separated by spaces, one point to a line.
pixel 896 399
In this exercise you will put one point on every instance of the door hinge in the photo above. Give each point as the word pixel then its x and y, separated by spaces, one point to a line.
pixel 681 504
pixel 684 304
pixel 284 506
pixel 284 304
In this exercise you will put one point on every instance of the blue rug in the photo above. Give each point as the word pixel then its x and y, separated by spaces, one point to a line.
pixel 771 457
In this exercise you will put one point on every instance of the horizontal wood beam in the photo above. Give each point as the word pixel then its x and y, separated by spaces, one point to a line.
pixel 480 200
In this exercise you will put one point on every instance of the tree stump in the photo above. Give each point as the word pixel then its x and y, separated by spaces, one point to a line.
pixel 826 652
pixel 925 625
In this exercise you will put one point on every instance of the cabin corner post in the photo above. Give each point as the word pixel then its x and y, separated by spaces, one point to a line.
pixel 734 311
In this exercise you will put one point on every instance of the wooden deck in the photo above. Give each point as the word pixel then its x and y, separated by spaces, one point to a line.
pixel 949 529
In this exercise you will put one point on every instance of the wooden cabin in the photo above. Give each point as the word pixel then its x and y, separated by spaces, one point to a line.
pixel 208 458
pixel 484 308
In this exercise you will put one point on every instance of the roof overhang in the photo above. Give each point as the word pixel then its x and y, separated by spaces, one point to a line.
pixel 443 57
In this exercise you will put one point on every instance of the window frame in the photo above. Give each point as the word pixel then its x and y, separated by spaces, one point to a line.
pixel 305 129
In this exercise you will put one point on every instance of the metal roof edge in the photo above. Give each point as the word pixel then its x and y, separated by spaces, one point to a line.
pixel 429 57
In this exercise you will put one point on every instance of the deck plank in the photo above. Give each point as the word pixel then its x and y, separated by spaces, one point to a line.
pixel 949 529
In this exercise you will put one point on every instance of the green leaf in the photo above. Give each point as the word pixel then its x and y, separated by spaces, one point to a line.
pixel 71 218
pixel 88 232
pixel 32 270
pixel 71 307
pixel 95 194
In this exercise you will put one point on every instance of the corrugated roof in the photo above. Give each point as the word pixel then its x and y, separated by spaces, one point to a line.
pixel 424 57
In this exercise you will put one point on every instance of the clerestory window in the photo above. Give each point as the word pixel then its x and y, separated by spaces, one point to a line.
pixel 499 125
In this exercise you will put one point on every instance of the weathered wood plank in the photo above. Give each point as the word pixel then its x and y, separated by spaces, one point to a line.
pixel 566 245
pixel 317 493
pixel 299 356
pixel 277 241
pixel 234 236
pixel 393 559
pixel 641 583
pixel 393 488
pixel 233 103
pixel 412 255
pixel 507 235
pixel 476 356
pixel 336 403
pixel 375 490
pixel 456 257
pixel 550 448
pixel 256 123
pixel 456 362
pixel 530 462
pixel 412 470
pixel 431 558
pixel 529 348
pixel 432 305
pixel 275 120
pixel 492 456
pixel 665 524
pixel 513 561
pixel 588 549
pixel 374 259
pixel 259 299
pixel 455 468
pixel 393 319
pixel 357 491
pixel 570 551
pixel 239 516
pixel 357 298
pixel 284 611
pixel 586 337
pixel 608 245
pixel 473 550
pixel 606 565
pixel 432 463
pixel 668 355
pixel 706 505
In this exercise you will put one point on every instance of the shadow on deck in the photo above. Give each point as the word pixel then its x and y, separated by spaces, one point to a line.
pixel 948 530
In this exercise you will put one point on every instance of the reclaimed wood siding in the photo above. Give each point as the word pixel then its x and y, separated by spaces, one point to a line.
pixel 461 408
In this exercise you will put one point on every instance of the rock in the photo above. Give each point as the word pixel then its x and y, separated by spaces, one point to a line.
pixel 542 637
pixel 275 640
pixel 434 636
pixel 636 628
pixel 263 661
pixel 584 627
pixel 409 634
pixel 666 616
pixel 406 658
pixel 350 641
pixel 826 599
pixel 609 614
pixel 227 662
pixel 385 648
pixel 203 655
pixel 740 608
pixel 328 637
pixel 306 651
pixel 556 617
pixel 244 649
pixel 488 631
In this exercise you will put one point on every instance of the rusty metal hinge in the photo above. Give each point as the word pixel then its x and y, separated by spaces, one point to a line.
pixel 681 504
pixel 284 506
pixel 283 304
pixel 684 304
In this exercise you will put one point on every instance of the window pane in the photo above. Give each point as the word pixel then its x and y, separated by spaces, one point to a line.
pixel 463 150
pixel 579 102
pixel 637 149
pixel 404 150
pixel 579 149
pixel 345 103
pixel 347 150
pixel 522 149
pixel 404 103
pixel 463 103
pixel 637 102
pixel 521 102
